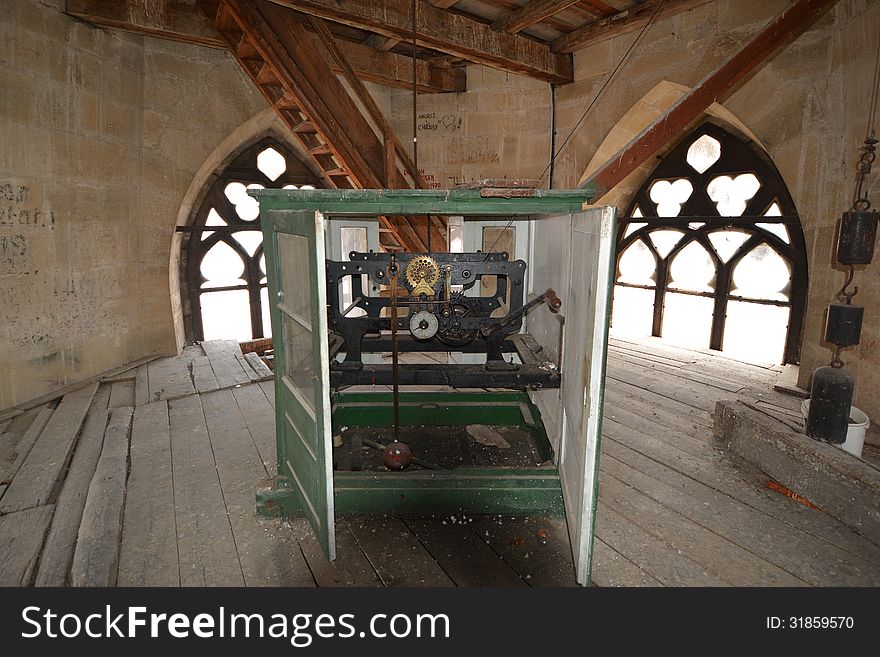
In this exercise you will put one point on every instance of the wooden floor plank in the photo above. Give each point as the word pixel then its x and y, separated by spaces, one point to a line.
pixel 2 490
pixel 122 394
pixel 536 548
pixel 35 482
pixel 223 356
pixel 267 551
pixel 203 376
pixel 693 394
pixel 142 386
pixel 613 569
pixel 463 556
pixel 806 557
pixel 395 553
pixel 253 377
pixel 654 555
pixel 351 567
pixel 58 551
pixel 96 557
pixel 204 536
pixel 715 553
pixel 169 378
pixel 148 552
pixel 623 390
pixel 262 370
pixel 269 390
pixel 736 479
pixel 259 415
pixel 15 447
pixel 678 372
pixel 21 536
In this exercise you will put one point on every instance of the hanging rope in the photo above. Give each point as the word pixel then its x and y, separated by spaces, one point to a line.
pixel 604 86
pixel 592 104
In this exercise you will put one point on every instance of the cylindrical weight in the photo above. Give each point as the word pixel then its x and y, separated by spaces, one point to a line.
pixel 844 324
pixel 855 244
pixel 830 400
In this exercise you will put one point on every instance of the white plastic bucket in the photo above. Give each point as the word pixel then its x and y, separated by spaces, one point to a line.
pixel 855 433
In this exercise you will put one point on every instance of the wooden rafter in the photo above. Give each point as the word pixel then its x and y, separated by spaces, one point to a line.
pixel 447 32
pixel 177 21
pixel 634 18
pixel 714 87
pixel 274 49
pixel 530 13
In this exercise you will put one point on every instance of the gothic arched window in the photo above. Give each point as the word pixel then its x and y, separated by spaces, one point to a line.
pixel 224 270
pixel 710 253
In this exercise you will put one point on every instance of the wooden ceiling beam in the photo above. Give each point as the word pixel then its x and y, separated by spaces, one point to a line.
pixel 443 4
pixel 634 18
pixel 716 86
pixel 444 31
pixel 530 13
pixel 177 21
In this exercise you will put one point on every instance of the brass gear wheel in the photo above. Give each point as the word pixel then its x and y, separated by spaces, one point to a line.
pixel 422 274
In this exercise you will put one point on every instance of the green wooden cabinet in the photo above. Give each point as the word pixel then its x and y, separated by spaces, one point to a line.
pixel 572 251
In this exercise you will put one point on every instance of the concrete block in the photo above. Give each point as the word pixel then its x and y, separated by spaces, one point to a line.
pixel 837 482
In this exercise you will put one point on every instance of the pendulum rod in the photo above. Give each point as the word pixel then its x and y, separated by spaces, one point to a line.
pixel 393 273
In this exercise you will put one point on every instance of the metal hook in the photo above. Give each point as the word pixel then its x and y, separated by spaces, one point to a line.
pixel 847 295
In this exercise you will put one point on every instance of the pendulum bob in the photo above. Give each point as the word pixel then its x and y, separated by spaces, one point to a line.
pixel 397 456
pixel 855 244
pixel 844 324
pixel 831 397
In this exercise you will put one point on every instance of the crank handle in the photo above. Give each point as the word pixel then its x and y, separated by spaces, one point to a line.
pixel 554 303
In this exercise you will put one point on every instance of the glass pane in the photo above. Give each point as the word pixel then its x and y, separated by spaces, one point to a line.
pixel 267 317
pixel 695 225
pixel 665 240
pixel 761 274
pixel 692 269
pixel 495 240
pixel 687 320
pixel 633 227
pixel 214 219
pixel 669 196
pixel 777 229
pixel 703 153
pixel 236 192
pixel 295 304
pixel 637 265
pixel 637 213
pixel 250 240
pixel 727 242
pixel 633 311
pixel 271 163
pixel 352 238
pixel 290 187
pixel 226 315
pixel 755 333
pixel 732 194
pixel 222 266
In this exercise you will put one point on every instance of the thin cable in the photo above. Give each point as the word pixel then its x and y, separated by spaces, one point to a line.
pixel 589 107
pixel 414 121
pixel 605 85
pixel 872 111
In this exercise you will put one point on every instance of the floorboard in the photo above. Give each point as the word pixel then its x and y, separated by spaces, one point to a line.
pixel 148 552
pixel 395 553
pixel 269 556
pixel 259 415
pixel 223 356
pixel 16 446
pixel 96 557
pixel 169 378
pixel 21 536
pixel 351 567
pixel 463 555
pixel 58 550
pixel 35 482
pixel 204 536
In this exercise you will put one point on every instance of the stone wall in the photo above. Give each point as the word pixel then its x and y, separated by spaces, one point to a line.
pixel 101 134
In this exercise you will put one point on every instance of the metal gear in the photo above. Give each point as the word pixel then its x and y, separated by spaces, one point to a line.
pixel 450 332
pixel 422 274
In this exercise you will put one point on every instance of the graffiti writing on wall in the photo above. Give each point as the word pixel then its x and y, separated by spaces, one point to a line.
pixel 434 122
pixel 19 207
